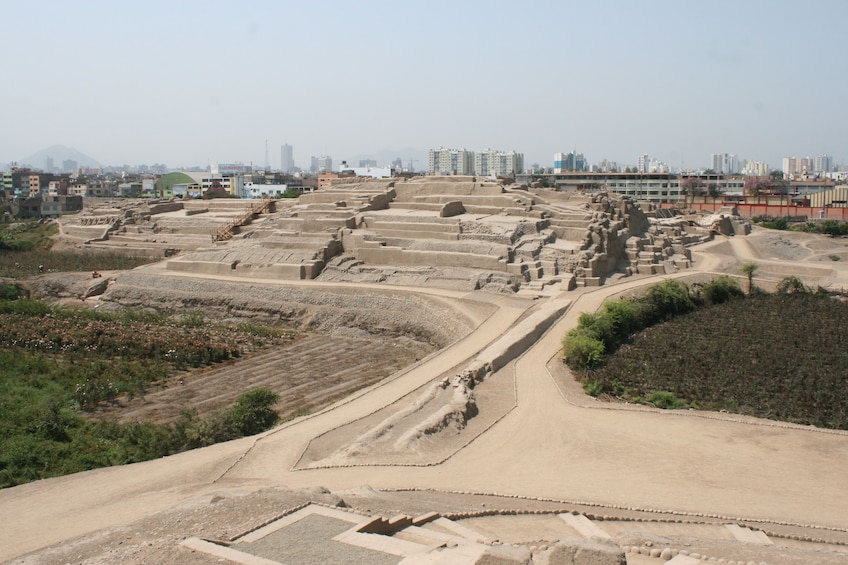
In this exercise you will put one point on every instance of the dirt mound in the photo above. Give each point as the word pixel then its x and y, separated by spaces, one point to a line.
pixel 314 308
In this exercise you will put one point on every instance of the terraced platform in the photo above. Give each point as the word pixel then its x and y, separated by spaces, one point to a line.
pixel 427 228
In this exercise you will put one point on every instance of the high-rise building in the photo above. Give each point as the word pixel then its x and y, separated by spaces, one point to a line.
pixel 321 164
pixel 788 167
pixel 492 163
pixel 443 161
pixel 642 163
pixel 723 163
pixel 823 164
pixel 286 158
pixel 565 162
pixel 756 168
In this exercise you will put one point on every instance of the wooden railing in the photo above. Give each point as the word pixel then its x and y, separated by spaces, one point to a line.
pixel 228 230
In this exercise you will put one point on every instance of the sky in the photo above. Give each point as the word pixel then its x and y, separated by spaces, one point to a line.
pixel 190 83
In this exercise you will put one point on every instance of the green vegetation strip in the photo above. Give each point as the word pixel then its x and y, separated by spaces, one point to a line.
pixel 778 356
pixel 57 363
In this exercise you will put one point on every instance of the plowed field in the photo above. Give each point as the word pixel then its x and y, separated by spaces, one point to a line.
pixel 307 374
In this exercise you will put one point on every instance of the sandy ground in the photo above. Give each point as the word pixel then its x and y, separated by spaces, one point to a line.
pixel 554 444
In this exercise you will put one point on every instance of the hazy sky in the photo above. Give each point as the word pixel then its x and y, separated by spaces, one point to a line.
pixel 197 82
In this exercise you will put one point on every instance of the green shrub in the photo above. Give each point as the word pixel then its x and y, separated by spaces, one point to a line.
pixel 582 350
pixel 27 308
pixel 253 412
pixel 777 224
pixel 721 290
pixel 791 285
pixel 9 291
pixel 665 400
pixel 626 316
pixel 668 299
pixel 592 387
pixel 598 326
pixel 215 428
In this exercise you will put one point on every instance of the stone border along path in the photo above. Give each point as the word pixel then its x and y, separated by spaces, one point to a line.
pixel 546 448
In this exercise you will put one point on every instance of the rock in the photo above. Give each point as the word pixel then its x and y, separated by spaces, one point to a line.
pixel 96 288
pixel 505 555
pixel 573 551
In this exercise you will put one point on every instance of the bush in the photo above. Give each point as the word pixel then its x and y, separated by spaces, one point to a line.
pixel 791 285
pixel 721 290
pixel 668 299
pixel 598 326
pixel 215 428
pixel 626 317
pixel 582 350
pixel 592 387
pixel 253 412
pixel 9 291
pixel 665 400
pixel 777 224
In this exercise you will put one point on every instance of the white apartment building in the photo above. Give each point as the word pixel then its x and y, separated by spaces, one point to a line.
pixel 444 161
pixel 492 163
pixel 643 163
pixel 724 163
pixel 756 168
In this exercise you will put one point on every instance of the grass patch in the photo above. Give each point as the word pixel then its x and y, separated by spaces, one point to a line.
pixel 57 364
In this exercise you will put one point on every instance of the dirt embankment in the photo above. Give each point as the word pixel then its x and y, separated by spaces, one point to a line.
pixel 353 311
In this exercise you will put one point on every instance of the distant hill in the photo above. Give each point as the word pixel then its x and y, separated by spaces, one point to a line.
pixel 58 153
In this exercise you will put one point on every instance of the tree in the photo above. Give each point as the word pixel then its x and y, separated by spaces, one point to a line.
pixel 713 191
pixel 779 185
pixel 692 186
pixel 756 186
pixel 749 269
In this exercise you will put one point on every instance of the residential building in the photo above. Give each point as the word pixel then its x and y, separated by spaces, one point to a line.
pixel 44 206
pixel 493 163
pixel 788 167
pixel 798 167
pixel 252 190
pixel 823 164
pixel 755 168
pixel 724 163
pixel 642 163
pixel 444 161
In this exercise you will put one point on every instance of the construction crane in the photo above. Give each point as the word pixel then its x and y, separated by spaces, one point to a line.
pixel 411 160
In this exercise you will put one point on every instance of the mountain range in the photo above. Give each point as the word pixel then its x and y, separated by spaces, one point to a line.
pixel 59 154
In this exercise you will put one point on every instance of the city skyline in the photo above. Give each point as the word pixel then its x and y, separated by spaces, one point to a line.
pixel 196 83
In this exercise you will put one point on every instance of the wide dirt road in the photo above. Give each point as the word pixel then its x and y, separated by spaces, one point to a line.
pixel 557 443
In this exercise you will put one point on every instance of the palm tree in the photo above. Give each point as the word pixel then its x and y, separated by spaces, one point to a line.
pixel 749 269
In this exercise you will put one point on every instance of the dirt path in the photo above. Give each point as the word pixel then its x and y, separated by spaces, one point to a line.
pixel 550 446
